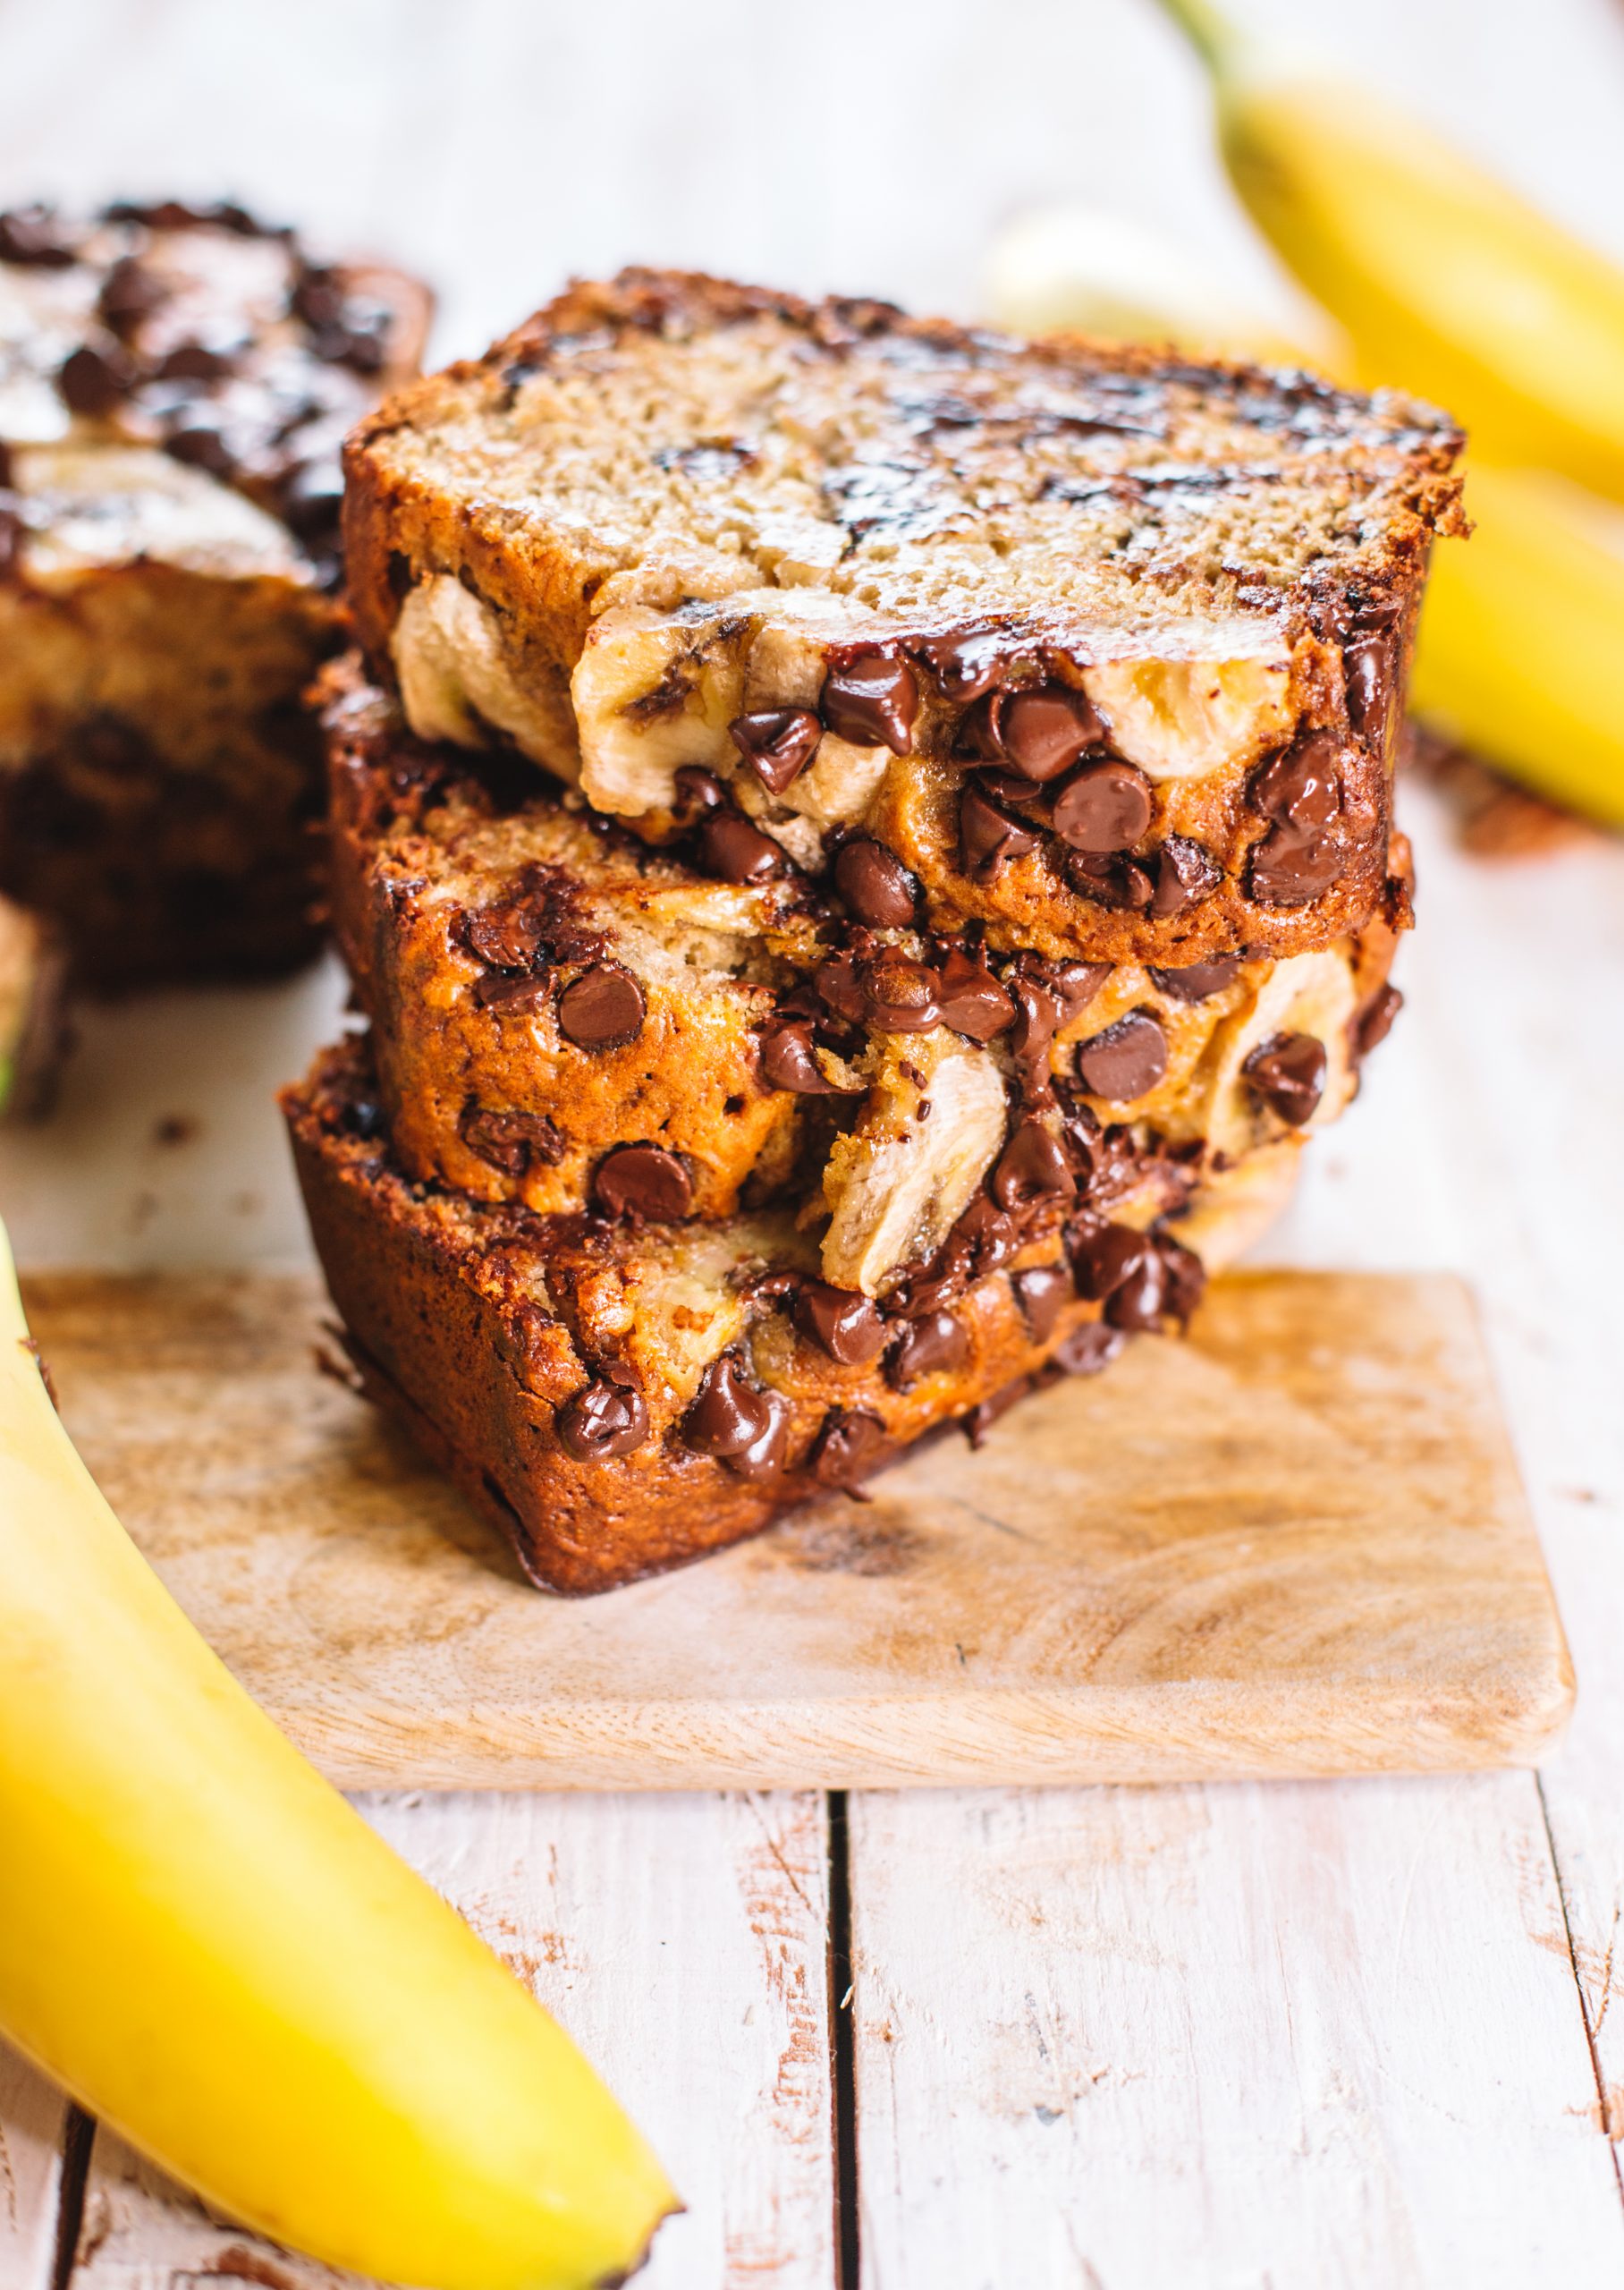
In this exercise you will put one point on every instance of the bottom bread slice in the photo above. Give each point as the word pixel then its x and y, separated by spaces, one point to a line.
pixel 621 1398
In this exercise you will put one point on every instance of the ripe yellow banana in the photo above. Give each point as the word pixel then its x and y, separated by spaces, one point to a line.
pixel 1521 637
pixel 209 1948
pixel 1447 282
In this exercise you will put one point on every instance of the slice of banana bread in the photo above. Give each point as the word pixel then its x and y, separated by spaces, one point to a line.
pixel 565 1017
pixel 1105 648
pixel 620 1400
pixel 174 384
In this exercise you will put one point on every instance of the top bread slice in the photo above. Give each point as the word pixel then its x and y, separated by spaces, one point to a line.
pixel 1107 646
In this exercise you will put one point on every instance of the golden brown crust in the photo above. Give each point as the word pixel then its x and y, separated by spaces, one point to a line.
pixel 675 470
pixel 486 1324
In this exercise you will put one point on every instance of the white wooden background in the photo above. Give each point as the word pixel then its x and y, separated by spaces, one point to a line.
pixel 1223 2038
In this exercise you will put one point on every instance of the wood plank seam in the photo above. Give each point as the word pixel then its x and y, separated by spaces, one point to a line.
pixel 1611 2129
pixel 842 2050
pixel 78 2139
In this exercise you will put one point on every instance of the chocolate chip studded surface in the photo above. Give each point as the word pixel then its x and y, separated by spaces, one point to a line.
pixel 621 1398
pixel 198 331
pixel 1052 607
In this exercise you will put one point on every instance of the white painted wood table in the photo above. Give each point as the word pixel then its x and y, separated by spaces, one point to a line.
pixel 1218 2037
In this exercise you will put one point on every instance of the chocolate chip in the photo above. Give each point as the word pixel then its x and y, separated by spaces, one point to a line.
pixel 841 1322
pixel 1138 1300
pixel 201 442
pixel 787 1062
pixel 1040 1294
pixel 11 530
pixel 602 1008
pixel 872 701
pixel 777 744
pixel 695 792
pixel 1289 1074
pixel 847 1448
pixel 1198 980
pixel 967 662
pixel 765 1456
pixel 1008 787
pixel 1075 984
pixel 971 1000
pixel 1125 1060
pixel 876 884
pixel 1183 1277
pixel 1038 733
pixel 729 1415
pixel 1374 1022
pixel 496 992
pixel 130 293
pixel 1114 882
pixel 901 995
pixel 1302 783
pixel 1037 1015
pixel 643 1180
pixel 1293 865
pixel 1032 1168
pixel 603 1420
pixel 511 1141
pixel 509 932
pixel 32 235
pixel 840 989
pixel 988 837
pixel 1104 807
pixel 738 852
pixel 1104 1258
pixel 1185 874
pixel 1089 1348
pixel 197 361
pixel 1368 665
pixel 933 1343
pixel 93 380
pixel 984 1237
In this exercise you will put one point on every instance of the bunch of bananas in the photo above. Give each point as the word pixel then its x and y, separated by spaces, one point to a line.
pixel 212 1950
pixel 1440 280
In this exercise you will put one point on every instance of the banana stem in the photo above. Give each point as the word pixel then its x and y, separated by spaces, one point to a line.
pixel 1215 40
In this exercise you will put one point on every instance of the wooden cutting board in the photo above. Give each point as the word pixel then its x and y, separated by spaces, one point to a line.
pixel 1296 1544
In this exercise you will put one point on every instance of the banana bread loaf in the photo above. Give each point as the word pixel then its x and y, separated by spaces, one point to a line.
pixel 174 382
pixel 562 1016
pixel 621 1397
pixel 1105 648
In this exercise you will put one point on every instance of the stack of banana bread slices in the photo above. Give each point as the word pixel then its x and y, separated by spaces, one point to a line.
pixel 866 851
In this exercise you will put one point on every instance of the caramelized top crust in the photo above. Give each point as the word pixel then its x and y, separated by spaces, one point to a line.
pixel 668 436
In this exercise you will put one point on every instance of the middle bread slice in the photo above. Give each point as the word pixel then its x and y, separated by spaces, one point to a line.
pixel 566 1018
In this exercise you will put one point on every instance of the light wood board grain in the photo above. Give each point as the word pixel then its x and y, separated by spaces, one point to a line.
pixel 682 1942
pixel 1222 2039
pixel 33 2127
pixel 1296 1544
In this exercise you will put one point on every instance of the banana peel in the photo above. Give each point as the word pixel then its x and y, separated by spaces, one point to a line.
pixel 212 1951
pixel 1447 282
